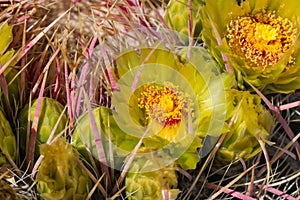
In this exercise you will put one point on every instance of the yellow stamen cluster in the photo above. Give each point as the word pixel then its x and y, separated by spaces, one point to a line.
pixel 165 104
pixel 262 38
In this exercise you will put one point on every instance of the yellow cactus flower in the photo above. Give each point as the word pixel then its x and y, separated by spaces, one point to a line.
pixel 257 39
pixel 165 100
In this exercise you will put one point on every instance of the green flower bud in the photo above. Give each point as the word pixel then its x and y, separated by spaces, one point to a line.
pixel 59 175
pixel 251 120
pixel 50 112
pixel 146 180
pixel 177 17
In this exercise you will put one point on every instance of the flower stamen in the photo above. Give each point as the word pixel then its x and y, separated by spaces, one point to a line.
pixel 165 104
pixel 261 38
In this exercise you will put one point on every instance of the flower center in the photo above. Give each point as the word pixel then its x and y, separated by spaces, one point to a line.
pixel 165 104
pixel 265 33
pixel 261 38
